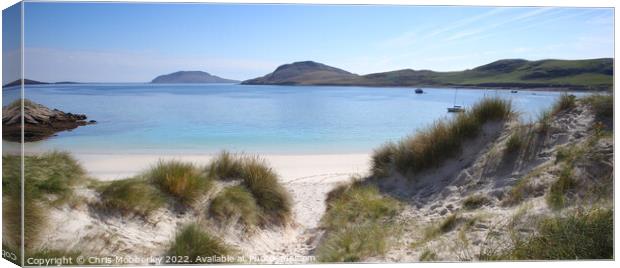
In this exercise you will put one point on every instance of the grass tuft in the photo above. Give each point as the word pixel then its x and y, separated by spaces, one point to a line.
pixel 49 181
pixel 443 139
pixel 515 142
pixel 358 205
pixel 193 242
pixel 556 198
pixel 359 223
pixel 235 203
pixel 428 255
pixel 353 243
pixel 475 201
pixel 131 196
pixel 260 180
pixel 182 180
pixel 226 167
pixel 270 195
pixel 579 236
pixel 564 103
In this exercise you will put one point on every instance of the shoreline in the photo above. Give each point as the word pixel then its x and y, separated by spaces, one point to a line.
pixel 290 167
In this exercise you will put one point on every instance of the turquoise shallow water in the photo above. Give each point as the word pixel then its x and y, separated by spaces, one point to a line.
pixel 144 118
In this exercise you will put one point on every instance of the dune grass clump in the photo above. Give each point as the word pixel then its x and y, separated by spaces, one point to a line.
pixel 579 236
pixel 260 180
pixel 428 255
pixel 475 201
pixel 602 105
pixel 515 142
pixel 49 181
pixel 565 102
pixel 273 199
pixel 354 243
pixel 359 223
pixel 181 180
pixel 226 167
pixel 556 198
pixel 51 175
pixel 442 140
pixel 358 205
pixel 198 244
pixel 235 203
pixel 131 196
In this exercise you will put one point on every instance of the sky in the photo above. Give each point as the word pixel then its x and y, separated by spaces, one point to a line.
pixel 134 42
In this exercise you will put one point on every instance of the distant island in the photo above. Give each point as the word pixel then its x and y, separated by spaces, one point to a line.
pixel 34 82
pixel 590 74
pixel 26 82
pixel 190 77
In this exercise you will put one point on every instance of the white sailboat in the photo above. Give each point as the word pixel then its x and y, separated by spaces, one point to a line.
pixel 455 108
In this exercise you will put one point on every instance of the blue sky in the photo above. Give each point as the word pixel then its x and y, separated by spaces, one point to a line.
pixel 112 42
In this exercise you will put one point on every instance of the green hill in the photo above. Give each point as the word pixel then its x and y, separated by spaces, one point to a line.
pixel 590 74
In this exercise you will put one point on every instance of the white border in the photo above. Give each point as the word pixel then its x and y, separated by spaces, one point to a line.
pixel 562 3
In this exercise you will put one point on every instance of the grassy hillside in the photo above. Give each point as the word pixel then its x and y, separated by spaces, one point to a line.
pixel 591 74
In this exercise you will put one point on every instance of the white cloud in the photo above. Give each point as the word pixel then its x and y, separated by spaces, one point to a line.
pixel 409 38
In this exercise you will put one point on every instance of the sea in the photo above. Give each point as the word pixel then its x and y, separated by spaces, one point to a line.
pixel 208 118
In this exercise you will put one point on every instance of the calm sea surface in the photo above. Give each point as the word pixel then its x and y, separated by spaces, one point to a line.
pixel 144 118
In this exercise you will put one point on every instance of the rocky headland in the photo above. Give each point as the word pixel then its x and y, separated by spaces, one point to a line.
pixel 40 122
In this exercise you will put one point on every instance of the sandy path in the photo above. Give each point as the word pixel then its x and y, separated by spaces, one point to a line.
pixel 307 177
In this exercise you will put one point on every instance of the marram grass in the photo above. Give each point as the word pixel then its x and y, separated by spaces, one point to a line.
pixel 443 139
pixel 359 223
pixel 260 180
pixel 235 203
pixel 194 242
pixel 181 180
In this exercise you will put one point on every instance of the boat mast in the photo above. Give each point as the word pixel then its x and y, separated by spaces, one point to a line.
pixel 455 91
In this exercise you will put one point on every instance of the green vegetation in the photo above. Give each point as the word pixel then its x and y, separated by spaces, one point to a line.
pixel 353 243
pixel 518 192
pixel 515 142
pixel 226 167
pixel 556 197
pixel 428 255
pixel 181 180
pixel 128 196
pixel 357 205
pixel 475 201
pixel 235 203
pixel 359 223
pixel 49 181
pixel 260 180
pixel 564 103
pixel 270 195
pixel 442 140
pixel 438 228
pixel 591 74
pixel 544 121
pixel 579 236
pixel 193 242
pixel 449 223
pixel 603 105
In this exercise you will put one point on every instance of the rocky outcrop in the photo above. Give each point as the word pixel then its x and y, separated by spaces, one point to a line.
pixel 40 122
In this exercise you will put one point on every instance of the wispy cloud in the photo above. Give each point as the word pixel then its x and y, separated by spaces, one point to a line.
pixel 411 37
pixel 490 26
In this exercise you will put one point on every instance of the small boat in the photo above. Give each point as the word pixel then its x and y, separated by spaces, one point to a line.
pixel 456 109
pixel 419 91
pixel 513 91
